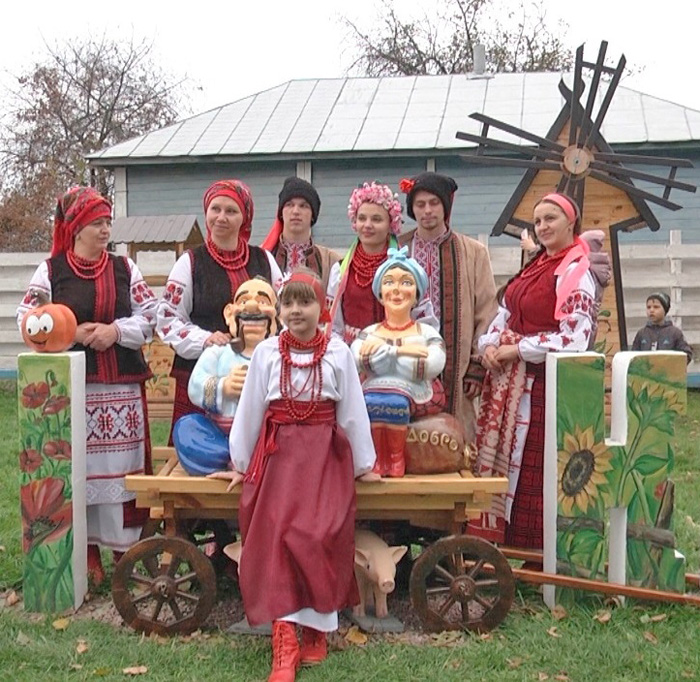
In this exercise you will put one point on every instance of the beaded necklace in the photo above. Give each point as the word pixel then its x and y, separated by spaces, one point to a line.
pixel 86 269
pixel 397 328
pixel 318 345
pixel 364 265
pixel 229 260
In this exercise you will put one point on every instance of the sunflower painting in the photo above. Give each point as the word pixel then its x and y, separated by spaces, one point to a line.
pixel 582 464
pixel 47 478
pixel 594 473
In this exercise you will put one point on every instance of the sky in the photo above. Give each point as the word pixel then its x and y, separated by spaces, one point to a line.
pixel 230 50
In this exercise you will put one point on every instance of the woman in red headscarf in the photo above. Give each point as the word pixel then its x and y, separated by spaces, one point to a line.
pixel 203 281
pixel 116 313
pixel 548 306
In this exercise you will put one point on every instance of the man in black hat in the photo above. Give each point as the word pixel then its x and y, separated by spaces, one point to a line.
pixel 289 239
pixel 460 285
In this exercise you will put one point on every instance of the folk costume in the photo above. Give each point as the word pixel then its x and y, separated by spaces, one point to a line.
pixel 462 291
pixel 353 305
pixel 398 388
pixel 301 436
pixel 201 283
pixel 110 290
pixel 549 306
pixel 289 256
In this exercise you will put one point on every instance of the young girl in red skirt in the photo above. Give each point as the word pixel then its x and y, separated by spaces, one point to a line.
pixel 300 438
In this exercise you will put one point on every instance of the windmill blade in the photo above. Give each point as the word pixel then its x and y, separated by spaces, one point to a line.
pixel 508 146
pixel 612 86
pixel 511 163
pixel 639 175
pixel 563 182
pixel 518 132
pixel 648 160
pixel 574 119
pixel 592 92
pixel 636 191
pixel 579 189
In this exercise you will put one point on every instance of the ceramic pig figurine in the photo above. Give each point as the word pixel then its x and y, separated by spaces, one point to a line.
pixel 375 570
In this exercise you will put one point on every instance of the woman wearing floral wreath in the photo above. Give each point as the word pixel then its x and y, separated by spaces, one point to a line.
pixel 548 306
pixel 204 280
pixel 400 358
pixel 116 312
pixel 375 216
pixel 300 438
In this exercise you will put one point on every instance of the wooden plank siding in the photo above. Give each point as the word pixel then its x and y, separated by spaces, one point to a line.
pixel 483 192
pixel 178 189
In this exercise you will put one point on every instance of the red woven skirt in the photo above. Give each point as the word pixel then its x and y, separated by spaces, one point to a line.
pixel 297 518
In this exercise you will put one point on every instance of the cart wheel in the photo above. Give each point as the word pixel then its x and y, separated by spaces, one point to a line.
pixel 461 583
pixel 164 585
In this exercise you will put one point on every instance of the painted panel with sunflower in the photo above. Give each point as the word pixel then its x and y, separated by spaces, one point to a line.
pixel 630 470
pixel 51 413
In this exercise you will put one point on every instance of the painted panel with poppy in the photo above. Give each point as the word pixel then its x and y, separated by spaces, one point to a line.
pixel 587 473
pixel 51 414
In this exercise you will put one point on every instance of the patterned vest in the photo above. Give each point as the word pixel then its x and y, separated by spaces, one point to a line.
pixel 104 299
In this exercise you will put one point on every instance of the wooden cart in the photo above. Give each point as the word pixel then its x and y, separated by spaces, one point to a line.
pixel 164 584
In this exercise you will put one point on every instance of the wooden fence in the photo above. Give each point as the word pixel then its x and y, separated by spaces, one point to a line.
pixel 672 267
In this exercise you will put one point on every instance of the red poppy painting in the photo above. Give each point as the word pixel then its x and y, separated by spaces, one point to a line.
pixel 29 460
pixel 58 449
pixel 46 514
pixel 35 395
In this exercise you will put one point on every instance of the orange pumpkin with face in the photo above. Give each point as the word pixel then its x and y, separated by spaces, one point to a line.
pixel 49 328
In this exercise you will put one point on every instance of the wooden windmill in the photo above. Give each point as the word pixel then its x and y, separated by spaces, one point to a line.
pixel 575 159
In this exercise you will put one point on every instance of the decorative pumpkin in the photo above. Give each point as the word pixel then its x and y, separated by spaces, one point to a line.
pixel 50 327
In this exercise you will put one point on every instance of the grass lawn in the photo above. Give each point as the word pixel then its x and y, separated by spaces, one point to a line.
pixel 637 642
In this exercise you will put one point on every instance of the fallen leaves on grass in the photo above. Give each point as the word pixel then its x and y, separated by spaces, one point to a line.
pixel 687 674
pixel 562 677
pixel 514 663
pixel 11 598
pixel 559 612
pixel 447 638
pixel 76 666
pixel 135 670
pixel 552 632
pixel 22 639
pixel 81 647
pixel 603 616
pixel 61 623
pixel 646 618
pixel 650 637
pixel 355 636
pixel 542 677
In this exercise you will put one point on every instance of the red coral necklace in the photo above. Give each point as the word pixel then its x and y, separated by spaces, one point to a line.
pixel 86 269
pixel 364 265
pixel 318 345
pixel 230 260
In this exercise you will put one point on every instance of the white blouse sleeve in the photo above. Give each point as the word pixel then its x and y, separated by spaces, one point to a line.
pixel 275 272
pixel 137 329
pixel 425 313
pixel 173 322
pixel 415 369
pixel 251 409
pixel 493 336
pixel 39 282
pixel 351 412
pixel 338 323
pixel 204 371
pixel 575 328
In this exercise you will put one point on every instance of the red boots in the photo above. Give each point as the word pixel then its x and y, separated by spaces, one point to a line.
pixel 286 655
pixel 389 443
pixel 96 573
pixel 314 647
pixel 285 652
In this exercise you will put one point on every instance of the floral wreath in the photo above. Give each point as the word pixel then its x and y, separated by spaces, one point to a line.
pixel 375 193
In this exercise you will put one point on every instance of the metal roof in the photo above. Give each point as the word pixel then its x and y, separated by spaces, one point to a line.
pixel 154 229
pixel 345 115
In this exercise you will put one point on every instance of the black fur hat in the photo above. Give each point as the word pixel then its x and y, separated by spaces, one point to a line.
pixel 296 187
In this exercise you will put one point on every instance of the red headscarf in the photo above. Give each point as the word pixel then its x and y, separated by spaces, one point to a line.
pixel 78 207
pixel 240 193
pixel 315 284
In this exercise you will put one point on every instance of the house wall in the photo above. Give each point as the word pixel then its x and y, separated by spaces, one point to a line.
pixel 178 189
pixel 483 192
